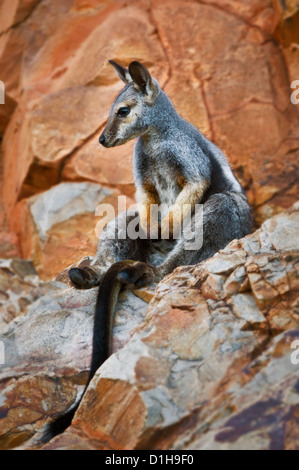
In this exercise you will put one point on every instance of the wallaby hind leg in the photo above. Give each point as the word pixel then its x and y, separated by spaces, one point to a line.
pixel 225 217
pixel 114 245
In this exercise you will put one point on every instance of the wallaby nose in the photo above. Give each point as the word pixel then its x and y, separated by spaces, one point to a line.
pixel 102 139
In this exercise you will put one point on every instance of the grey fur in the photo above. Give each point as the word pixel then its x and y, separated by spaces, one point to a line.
pixel 169 148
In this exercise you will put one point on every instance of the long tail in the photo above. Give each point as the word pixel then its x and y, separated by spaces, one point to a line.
pixel 120 273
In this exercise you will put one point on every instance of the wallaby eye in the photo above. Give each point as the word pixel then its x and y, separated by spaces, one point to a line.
pixel 123 112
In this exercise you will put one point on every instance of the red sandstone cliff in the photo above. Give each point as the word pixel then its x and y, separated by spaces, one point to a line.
pixel 207 364
pixel 227 65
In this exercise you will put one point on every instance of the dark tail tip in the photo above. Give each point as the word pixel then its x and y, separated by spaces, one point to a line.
pixel 58 425
pixel 61 423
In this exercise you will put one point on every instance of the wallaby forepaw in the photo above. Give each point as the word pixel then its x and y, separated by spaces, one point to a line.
pixel 83 278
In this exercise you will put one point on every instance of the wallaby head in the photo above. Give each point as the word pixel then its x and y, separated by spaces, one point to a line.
pixel 131 112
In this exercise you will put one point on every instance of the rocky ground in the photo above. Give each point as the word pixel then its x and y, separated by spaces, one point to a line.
pixel 207 364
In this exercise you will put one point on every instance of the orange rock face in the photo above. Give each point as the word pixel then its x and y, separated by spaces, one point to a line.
pixel 227 65
pixel 210 362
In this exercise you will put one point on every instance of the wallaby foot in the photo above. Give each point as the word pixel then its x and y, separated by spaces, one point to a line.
pixel 138 274
pixel 84 278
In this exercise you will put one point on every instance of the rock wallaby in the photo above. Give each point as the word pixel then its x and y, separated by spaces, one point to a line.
pixel 175 166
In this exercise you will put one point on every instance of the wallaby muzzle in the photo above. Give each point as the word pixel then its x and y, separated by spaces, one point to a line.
pixel 106 142
pixel 102 140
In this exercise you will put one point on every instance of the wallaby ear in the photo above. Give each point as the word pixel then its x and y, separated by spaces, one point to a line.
pixel 143 81
pixel 121 71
